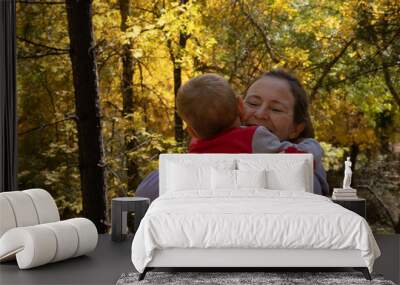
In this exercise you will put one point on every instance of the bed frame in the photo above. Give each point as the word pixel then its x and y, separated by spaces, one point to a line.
pixel 249 257
pixel 256 258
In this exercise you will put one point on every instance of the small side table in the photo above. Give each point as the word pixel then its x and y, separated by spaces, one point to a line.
pixel 357 205
pixel 120 207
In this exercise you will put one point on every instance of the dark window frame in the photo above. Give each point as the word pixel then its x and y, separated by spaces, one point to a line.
pixel 8 97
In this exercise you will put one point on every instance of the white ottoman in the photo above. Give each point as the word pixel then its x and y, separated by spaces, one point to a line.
pixel 31 230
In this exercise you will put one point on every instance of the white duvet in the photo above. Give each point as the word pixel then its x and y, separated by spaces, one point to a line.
pixel 252 218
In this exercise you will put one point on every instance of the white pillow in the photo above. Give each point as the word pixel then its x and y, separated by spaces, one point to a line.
pixel 251 178
pixel 182 177
pixel 292 180
pixel 185 173
pixel 282 174
pixel 223 179
pixel 227 179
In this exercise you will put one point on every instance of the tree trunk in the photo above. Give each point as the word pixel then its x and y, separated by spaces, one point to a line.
pixel 177 118
pixel 90 141
pixel 354 151
pixel 397 227
pixel 128 99
pixel 179 135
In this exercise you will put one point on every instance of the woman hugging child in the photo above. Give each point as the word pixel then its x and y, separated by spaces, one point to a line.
pixel 276 112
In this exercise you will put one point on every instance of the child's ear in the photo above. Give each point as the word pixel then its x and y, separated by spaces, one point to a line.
pixel 192 132
pixel 240 107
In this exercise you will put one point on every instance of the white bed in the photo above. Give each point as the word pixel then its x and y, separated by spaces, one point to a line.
pixel 241 210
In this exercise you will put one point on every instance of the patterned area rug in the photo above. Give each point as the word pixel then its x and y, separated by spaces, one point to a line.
pixel 231 278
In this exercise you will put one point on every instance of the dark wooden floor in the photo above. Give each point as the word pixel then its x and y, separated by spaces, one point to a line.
pixel 103 266
pixel 110 260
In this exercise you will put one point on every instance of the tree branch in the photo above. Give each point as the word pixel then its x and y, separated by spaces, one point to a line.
pixel 385 68
pixel 40 2
pixel 356 75
pixel 378 198
pixel 30 56
pixel 41 45
pixel 146 10
pixel 103 62
pixel 42 126
pixel 265 36
pixel 389 83
pixel 327 69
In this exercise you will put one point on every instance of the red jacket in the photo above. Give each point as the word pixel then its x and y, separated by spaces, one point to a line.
pixel 235 140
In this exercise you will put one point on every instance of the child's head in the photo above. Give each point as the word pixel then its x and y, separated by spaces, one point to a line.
pixel 208 105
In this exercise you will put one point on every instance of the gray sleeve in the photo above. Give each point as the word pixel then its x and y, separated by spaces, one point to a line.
pixel 310 145
pixel 320 184
pixel 266 142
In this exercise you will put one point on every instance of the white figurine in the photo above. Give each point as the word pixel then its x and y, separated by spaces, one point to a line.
pixel 347 174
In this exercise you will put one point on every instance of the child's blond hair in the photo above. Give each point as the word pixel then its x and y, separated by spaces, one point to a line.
pixel 207 104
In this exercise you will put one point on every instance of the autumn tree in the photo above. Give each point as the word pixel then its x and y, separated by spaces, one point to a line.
pixel 128 96
pixel 90 141
pixel 176 46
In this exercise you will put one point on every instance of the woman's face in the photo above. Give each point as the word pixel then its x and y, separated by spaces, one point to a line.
pixel 270 103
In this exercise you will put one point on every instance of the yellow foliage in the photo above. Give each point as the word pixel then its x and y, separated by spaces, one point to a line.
pixel 237 39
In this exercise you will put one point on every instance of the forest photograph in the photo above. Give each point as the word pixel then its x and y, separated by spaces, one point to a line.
pixel 97 81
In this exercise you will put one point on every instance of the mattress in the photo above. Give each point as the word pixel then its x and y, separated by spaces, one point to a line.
pixel 250 219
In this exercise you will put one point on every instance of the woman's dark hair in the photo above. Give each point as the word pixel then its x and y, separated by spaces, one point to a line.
pixel 301 114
